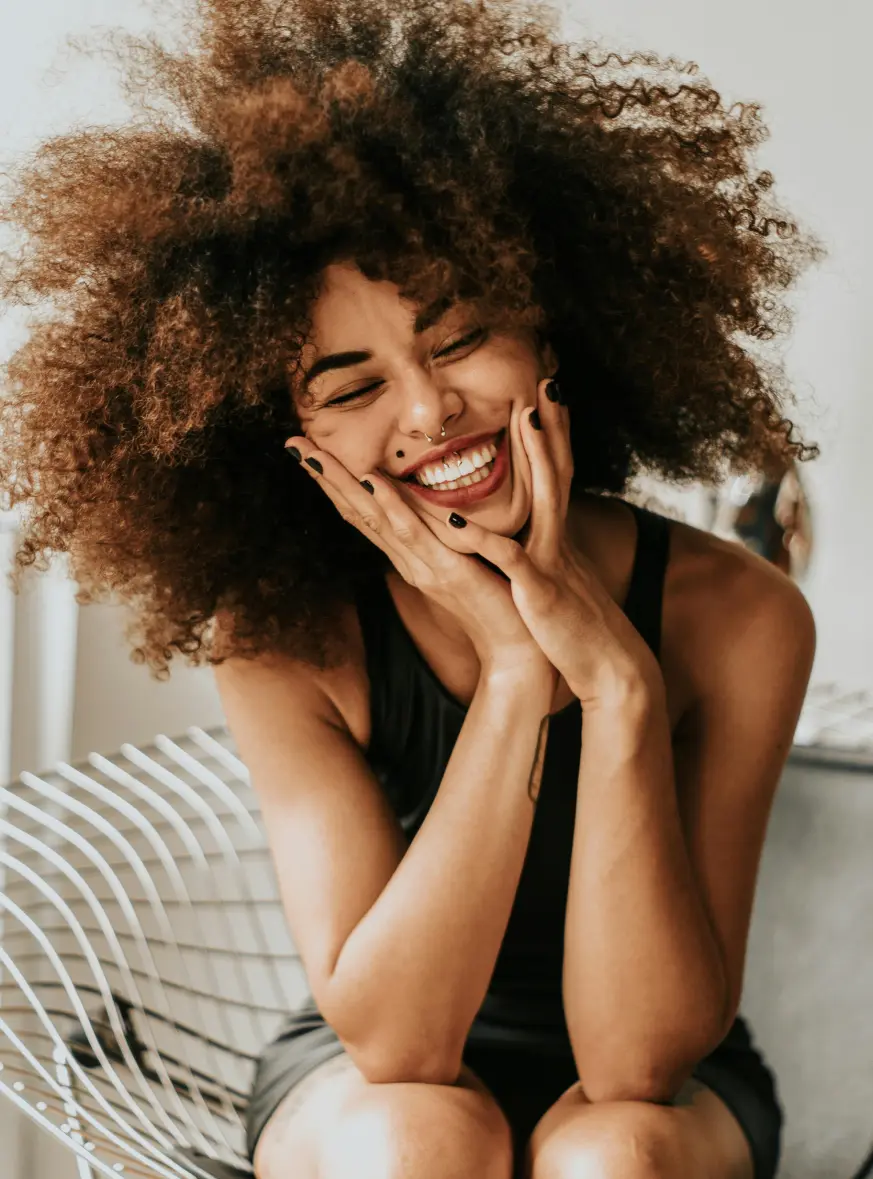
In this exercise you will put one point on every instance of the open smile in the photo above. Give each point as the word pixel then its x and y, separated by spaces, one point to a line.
pixel 458 494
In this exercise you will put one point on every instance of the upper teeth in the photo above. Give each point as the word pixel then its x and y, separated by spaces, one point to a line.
pixel 457 466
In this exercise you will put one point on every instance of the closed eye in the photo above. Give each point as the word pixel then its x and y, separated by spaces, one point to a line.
pixel 470 338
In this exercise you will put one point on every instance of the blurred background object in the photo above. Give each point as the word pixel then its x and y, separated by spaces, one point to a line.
pixel 770 514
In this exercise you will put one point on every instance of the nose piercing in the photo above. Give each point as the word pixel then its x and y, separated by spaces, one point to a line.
pixel 428 437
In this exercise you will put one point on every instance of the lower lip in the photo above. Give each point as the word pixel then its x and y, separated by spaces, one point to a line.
pixel 463 497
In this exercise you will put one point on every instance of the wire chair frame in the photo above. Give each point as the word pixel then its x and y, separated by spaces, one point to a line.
pixel 144 955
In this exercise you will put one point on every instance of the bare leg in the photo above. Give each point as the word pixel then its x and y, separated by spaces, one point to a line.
pixel 336 1125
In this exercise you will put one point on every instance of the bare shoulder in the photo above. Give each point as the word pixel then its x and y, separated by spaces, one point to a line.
pixel 340 693
pixel 716 582
pixel 718 594
pixel 713 587
pixel 348 685
pixel 700 563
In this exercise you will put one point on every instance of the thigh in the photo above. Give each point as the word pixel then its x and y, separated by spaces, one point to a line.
pixel 694 1135
pixel 309 1115
pixel 293 1128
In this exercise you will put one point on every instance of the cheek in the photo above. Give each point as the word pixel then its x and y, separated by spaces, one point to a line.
pixel 344 449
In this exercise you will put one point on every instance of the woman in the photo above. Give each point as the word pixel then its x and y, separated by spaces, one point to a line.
pixel 371 240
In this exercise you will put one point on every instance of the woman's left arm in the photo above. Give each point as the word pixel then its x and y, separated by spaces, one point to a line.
pixel 669 829
pixel 667 844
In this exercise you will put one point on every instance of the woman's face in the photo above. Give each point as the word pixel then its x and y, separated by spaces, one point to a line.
pixel 372 411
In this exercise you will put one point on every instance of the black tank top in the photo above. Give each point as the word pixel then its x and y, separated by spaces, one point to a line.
pixel 415 722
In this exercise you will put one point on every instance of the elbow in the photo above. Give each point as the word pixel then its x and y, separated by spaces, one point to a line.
pixel 384 1057
pixel 430 1072
pixel 394 1054
pixel 657 1086
pixel 379 1066
pixel 651 1068
pixel 656 1076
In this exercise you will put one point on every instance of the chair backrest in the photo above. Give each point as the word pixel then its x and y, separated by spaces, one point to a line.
pixel 144 954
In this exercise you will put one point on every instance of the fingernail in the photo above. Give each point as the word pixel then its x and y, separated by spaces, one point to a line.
pixel 553 392
pixel 315 464
pixel 457 521
pixel 294 452
pixel 368 486
pixel 535 420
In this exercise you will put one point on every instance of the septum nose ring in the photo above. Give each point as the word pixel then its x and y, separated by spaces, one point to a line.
pixel 442 435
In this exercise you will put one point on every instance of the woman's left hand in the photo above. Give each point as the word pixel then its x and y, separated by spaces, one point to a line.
pixel 556 589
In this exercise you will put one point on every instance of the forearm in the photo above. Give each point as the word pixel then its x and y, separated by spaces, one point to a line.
pixel 414 971
pixel 644 985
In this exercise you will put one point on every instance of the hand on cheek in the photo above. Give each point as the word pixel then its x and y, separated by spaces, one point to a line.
pixel 521 456
pixel 546 437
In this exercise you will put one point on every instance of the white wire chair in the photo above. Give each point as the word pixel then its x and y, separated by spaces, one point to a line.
pixel 144 956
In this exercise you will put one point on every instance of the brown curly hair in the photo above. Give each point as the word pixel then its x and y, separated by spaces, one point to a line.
pixel 458 148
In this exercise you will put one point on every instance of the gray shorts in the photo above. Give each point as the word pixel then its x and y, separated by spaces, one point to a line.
pixel 527 1071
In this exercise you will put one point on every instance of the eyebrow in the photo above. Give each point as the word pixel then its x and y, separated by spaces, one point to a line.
pixel 338 360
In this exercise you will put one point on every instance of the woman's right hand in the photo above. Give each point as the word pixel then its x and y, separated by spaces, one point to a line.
pixel 478 598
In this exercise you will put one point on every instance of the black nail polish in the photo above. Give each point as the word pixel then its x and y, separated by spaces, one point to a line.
pixel 535 420
pixel 315 464
pixel 553 392
pixel 294 452
pixel 368 486
pixel 457 521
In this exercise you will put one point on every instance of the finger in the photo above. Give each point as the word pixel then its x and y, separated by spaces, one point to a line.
pixel 458 533
pixel 514 561
pixel 447 540
pixel 356 506
pixel 381 515
pixel 546 522
pixel 556 419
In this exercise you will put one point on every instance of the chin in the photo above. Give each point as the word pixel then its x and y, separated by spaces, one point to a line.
pixel 510 522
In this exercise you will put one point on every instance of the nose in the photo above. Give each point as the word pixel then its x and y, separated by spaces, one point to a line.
pixel 424 405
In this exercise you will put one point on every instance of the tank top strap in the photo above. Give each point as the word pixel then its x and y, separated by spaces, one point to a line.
pixel 646 594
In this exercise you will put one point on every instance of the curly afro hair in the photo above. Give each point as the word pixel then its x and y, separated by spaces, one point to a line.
pixel 457 148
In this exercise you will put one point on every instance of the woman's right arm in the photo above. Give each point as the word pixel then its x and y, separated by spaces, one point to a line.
pixel 398 940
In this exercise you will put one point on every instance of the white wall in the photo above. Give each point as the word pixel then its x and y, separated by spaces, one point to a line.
pixel 808 65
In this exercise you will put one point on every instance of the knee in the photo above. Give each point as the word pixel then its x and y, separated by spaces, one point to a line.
pixel 418 1131
pixel 612 1142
